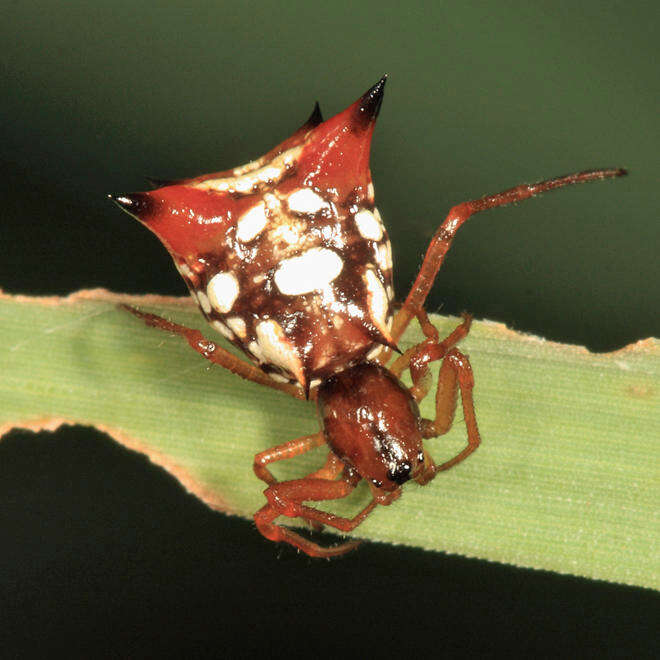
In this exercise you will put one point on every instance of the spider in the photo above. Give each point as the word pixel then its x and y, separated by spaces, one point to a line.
pixel 287 257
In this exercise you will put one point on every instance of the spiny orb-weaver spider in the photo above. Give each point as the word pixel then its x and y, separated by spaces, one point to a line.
pixel 287 257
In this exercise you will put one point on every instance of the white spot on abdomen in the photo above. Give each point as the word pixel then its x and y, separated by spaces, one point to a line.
pixel 276 348
pixel 254 348
pixel 223 291
pixel 377 300
pixel 369 225
pixel 203 302
pixel 289 233
pixel 384 256
pixel 374 352
pixel 278 378
pixel 248 167
pixel 311 271
pixel 222 329
pixel 306 201
pixel 237 324
pixel 250 176
pixel 185 270
pixel 251 223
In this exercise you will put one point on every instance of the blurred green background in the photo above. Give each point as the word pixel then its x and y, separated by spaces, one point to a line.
pixel 481 96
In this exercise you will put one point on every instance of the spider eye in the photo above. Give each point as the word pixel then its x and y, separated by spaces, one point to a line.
pixel 400 473
pixel 378 484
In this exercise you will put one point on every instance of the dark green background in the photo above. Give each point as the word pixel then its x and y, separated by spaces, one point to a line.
pixel 103 549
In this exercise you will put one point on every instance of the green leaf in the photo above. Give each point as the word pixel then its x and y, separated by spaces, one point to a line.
pixel 566 478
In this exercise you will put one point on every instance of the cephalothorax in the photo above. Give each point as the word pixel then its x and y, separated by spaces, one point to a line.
pixel 288 258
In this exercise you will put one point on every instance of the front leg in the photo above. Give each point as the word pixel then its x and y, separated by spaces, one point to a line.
pixel 331 470
pixel 445 234
pixel 418 357
pixel 455 373
pixel 282 452
pixel 286 499
pixel 216 354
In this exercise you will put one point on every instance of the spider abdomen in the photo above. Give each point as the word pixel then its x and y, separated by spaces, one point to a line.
pixel 288 261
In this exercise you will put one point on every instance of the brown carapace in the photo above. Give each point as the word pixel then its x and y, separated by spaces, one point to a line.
pixel 288 258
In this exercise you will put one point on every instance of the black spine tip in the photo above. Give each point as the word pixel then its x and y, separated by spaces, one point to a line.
pixel 159 183
pixel 371 101
pixel 136 204
pixel 316 117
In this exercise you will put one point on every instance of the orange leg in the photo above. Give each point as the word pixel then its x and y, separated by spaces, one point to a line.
pixel 286 499
pixel 216 354
pixel 331 470
pixel 418 357
pixel 282 452
pixel 444 236
pixel 455 373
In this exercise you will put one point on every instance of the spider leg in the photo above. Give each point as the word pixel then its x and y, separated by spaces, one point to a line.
pixel 216 354
pixel 455 374
pixel 445 234
pixel 286 499
pixel 417 357
pixel 330 470
pixel 282 452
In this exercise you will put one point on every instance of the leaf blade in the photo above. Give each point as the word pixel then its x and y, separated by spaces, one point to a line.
pixel 564 481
